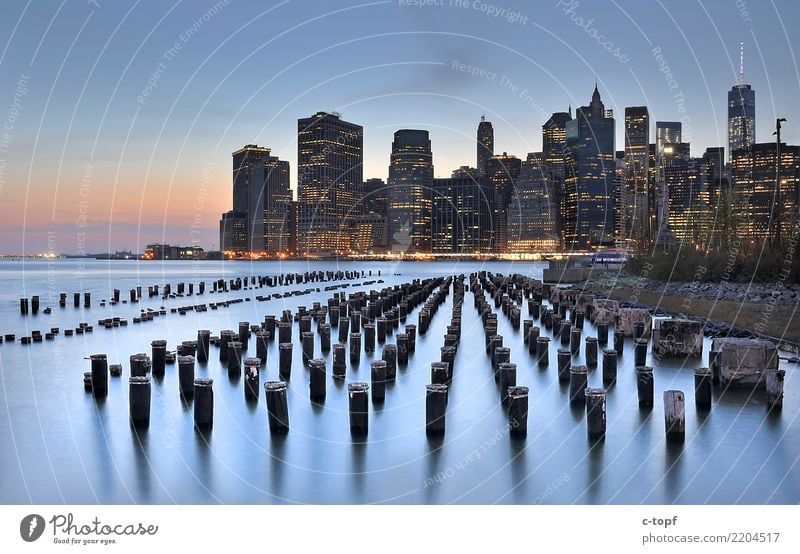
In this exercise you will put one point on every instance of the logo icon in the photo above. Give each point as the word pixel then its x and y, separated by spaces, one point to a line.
pixel 31 527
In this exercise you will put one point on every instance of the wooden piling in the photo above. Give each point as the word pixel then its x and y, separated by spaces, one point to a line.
pixel 542 350
pixel 390 357
pixel 159 354
pixel 203 345
pixel 285 360
pixel 307 341
pixel 596 413
pixel 774 384
pixel 577 384
pixel 534 336
pixel 369 337
pixel 359 409
pixel 619 342
pixel 508 378
pixel 355 347
pixel 325 336
pixel 435 407
pixel 411 331
pixel 640 352
pixel 244 334
pixel 203 403
pixel 609 365
pixel 225 337
pixel 139 401
pixel 284 331
pixel 186 377
pixel 565 332
pixel 448 355
pixel 702 387
pixel 262 345
pixel 234 358
pixel 344 329
pixel 251 378
pixel 602 333
pixel 564 357
pixel 402 348
pixel 140 365
pixel 277 407
pixel 674 415
pixel 591 351
pixel 644 386
pixel 317 385
pixel 378 380
pixel 575 340
pixel 99 365
pixel 518 411
pixel 439 372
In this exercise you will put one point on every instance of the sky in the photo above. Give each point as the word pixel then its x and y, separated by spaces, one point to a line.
pixel 118 119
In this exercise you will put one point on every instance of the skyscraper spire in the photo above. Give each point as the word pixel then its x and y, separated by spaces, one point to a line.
pixel 741 63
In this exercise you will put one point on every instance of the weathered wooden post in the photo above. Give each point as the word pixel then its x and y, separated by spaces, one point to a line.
pixel 439 372
pixel 508 378
pixel 502 355
pixel 609 365
pixel 644 386
pixel 564 360
pixel 542 350
pixel 579 318
pixel 244 333
pixel 317 386
pixel 402 348
pixel 355 347
pixel 284 331
pixel 638 330
pixel 526 330
pixel 203 344
pixel 325 336
pixel 186 377
pixel 344 329
pixel 34 305
pixel 564 334
pixel 619 342
pixel 99 364
pixel 448 354
pixel 159 353
pixel 596 413
pixel 515 316
pixel 76 299
pixel 534 336
pixel 591 351
pixel 674 415
pixel 140 365
pixel 518 411
pixel 435 406
pixel 602 333
pixel 575 340
pixel 277 407
pixel 234 358
pixel 203 404
pixel 225 336
pixel 139 401
pixel 381 321
pixel 390 357
pixel 702 388
pixel 369 337
pixel 411 331
pixel 640 352
pixel 774 385
pixel 378 380
pixel 577 384
pixel 262 344
pixel 87 299
pixel 305 324
pixel 269 325
pixel 251 378
pixel 285 360
pixel 307 340
pixel 555 321
pixel 359 409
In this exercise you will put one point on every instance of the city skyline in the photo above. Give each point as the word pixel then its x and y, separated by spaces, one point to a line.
pixel 137 153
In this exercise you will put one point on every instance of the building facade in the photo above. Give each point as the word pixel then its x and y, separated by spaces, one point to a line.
pixel 485 145
pixel 503 172
pixel 634 213
pixel 269 205
pixel 330 156
pixel 532 214
pixel 463 209
pixel 410 198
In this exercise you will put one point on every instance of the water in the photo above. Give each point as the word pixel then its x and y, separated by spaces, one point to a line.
pixel 57 444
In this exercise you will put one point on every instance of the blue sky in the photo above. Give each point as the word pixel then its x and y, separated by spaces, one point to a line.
pixel 127 114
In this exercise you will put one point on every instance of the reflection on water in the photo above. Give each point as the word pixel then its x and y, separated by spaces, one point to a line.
pixel 59 444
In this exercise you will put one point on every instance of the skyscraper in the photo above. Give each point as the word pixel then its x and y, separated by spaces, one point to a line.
pixel 269 205
pixel 634 209
pixel 244 160
pixel 462 215
pixel 762 207
pixel 485 145
pixel 503 171
pixel 688 213
pixel 554 145
pixel 589 181
pixel 741 112
pixel 233 232
pixel 330 156
pixel 667 132
pixel 375 197
pixel 531 211
pixel 410 199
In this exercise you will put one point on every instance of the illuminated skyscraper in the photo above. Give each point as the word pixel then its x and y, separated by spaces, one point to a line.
pixel 554 144
pixel 233 232
pixel 375 197
pixel 667 132
pixel 589 180
pixel 330 156
pixel 531 211
pixel 485 145
pixel 410 199
pixel 741 112
pixel 760 205
pixel 634 216
pixel 462 215
pixel 244 160
pixel 688 213
pixel 269 206
pixel 503 171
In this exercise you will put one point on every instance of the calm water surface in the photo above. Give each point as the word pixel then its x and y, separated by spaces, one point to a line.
pixel 58 444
